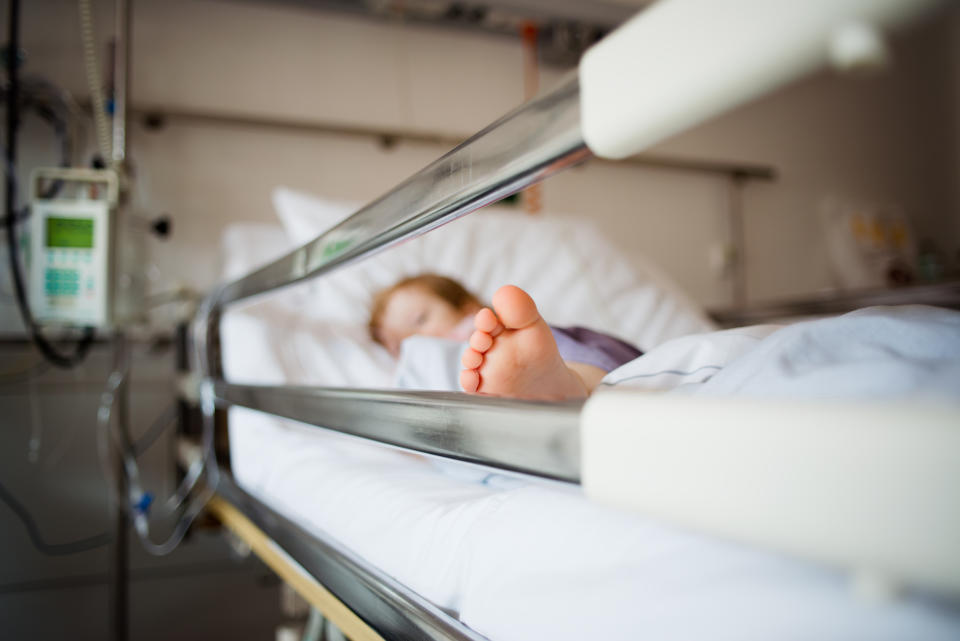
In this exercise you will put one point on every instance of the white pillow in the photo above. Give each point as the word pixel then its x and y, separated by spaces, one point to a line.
pixel 573 273
pixel 305 216
pixel 269 340
pixel 314 333
pixel 247 246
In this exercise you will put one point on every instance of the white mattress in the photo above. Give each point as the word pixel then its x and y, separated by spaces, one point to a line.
pixel 517 558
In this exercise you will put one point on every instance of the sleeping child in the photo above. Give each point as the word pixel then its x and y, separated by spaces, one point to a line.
pixel 512 351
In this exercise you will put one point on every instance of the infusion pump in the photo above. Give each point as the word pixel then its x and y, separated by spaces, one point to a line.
pixel 71 249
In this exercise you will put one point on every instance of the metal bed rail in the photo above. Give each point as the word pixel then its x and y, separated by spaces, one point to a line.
pixel 523 436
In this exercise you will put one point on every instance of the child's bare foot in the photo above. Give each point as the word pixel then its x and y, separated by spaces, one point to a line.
pixel 513 353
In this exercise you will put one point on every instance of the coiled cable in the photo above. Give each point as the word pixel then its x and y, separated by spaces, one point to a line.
pixel 93 79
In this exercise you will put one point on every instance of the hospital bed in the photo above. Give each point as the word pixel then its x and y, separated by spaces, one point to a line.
pixel 390 545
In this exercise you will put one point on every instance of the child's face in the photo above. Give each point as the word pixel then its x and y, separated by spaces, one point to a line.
pixel 416 310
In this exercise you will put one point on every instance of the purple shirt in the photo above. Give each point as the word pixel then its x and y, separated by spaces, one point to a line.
pixel 582 345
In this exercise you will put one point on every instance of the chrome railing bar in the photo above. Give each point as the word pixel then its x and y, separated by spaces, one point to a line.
pixel 536 140
pixel 524 436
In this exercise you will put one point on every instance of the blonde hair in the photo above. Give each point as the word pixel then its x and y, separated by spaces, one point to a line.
pixel 446 289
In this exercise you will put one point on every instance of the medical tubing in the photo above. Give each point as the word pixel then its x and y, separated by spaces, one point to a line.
pixel 93 79
pixel 106 425
pixel 136 494
pixel 190 479
pixel 196 506
pixel 138 502
pixel 155 431
pixel 206 462
pixel 36 538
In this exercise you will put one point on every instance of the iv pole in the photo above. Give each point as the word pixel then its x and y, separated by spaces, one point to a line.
pixel 119 571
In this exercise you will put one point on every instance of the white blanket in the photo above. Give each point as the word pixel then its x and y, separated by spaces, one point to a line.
pixel 912 351
pixel 879 352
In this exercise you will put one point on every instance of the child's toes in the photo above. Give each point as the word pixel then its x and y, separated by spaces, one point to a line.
pixel 469 380
pixel 487 321
pixel 471 359
pixel 481 341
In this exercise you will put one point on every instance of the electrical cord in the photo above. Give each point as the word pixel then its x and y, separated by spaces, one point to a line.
pixel 54 107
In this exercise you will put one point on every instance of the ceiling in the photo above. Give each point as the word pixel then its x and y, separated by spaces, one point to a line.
pixel 565 28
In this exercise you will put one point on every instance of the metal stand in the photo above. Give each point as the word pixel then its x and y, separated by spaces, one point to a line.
pixel 120 614
pixel 119 563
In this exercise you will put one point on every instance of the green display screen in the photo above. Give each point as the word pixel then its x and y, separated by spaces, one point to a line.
pixel 70 232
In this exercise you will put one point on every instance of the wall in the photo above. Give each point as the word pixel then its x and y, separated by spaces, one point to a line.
pixel 878 139
pixel 883 138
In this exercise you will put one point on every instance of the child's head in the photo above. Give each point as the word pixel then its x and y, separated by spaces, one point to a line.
pixel 428 304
